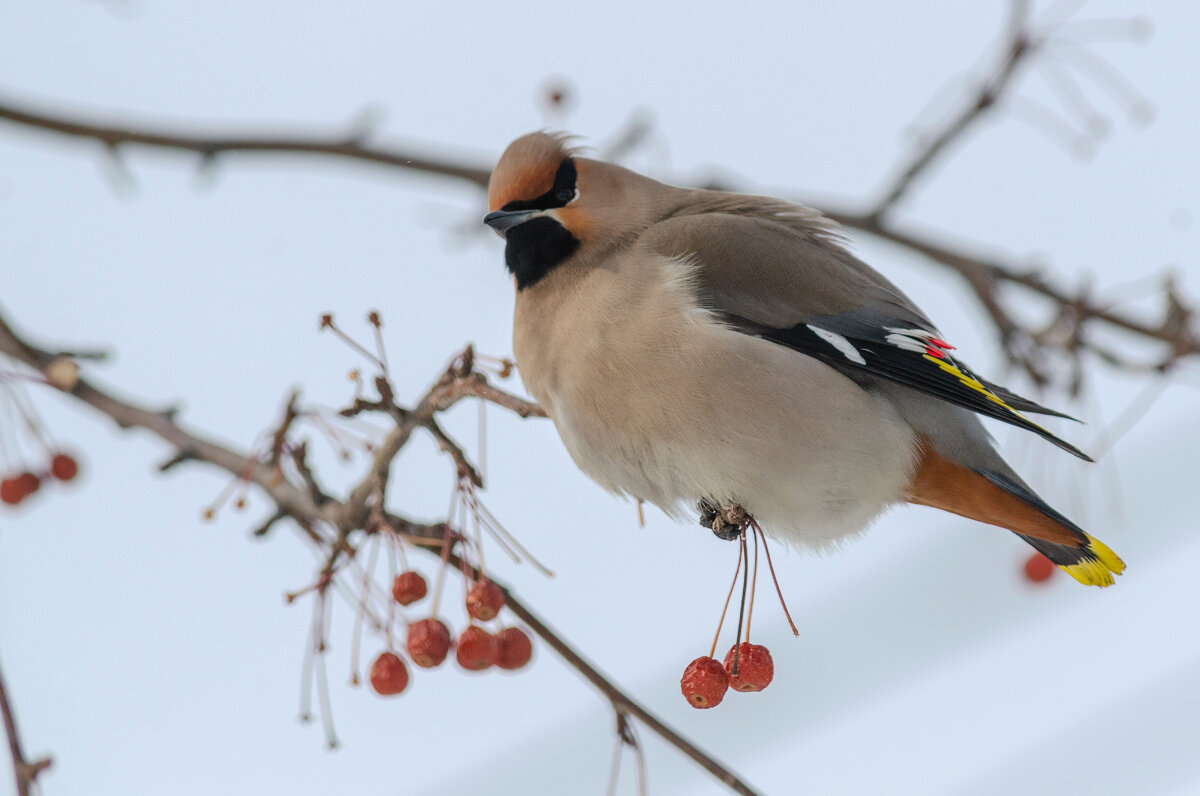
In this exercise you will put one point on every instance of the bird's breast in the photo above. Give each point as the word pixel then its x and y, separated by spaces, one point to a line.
pixel 655 398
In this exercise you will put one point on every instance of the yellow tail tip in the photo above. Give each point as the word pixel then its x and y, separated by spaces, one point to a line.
pixel 1098 569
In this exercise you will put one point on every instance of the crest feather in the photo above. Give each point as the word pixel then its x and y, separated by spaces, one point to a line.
pixel 526 169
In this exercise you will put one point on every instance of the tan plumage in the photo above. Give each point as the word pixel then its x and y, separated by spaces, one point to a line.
pixel 698 345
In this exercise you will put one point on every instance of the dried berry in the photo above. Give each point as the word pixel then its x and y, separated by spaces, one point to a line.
pixel 1038 568
pixel 428 642
pixel 64 467
pixel 408 587
pixel 475 649
pixel 484 600
pixel 513 648
pixel 755 669
pixel 704 683
pixel 389 675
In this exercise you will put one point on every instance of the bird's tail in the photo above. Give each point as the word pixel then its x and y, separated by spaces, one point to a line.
pixel 1091 563
pixel 1002 499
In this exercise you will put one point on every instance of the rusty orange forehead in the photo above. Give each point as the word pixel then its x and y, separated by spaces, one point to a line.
pixel 526 169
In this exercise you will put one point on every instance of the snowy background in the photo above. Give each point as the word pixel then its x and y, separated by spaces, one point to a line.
pixel 151 653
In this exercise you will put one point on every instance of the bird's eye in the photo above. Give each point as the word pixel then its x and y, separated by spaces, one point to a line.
pixel 565 195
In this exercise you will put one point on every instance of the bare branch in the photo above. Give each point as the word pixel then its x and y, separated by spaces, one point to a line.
pixel 457 382
pixel 983 274
pixel 455 451
pixel 129 415
pixel 25 772
pixel 622 703
pixel 1018 48
pixel 209 147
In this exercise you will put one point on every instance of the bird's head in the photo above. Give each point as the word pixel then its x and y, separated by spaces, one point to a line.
pixel 531 196
pixel 548 204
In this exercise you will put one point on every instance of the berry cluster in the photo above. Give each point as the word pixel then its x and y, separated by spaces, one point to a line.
pixel 428 642
pixel 747 667
pixel 19 486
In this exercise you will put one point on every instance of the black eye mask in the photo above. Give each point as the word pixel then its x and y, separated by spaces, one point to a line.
pixel 560 193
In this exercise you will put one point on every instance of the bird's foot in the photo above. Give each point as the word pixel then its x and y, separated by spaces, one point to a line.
pixel 726 522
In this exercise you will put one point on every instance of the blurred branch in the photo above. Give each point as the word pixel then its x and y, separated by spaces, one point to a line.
pixel 1176 328
pixel 24 771
pixel 1028 348
pixel 352 146
pixel 304 504
pixel 1019 47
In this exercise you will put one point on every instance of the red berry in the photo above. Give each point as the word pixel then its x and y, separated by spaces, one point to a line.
pixel 408 587
pixel 704 683
pixel 428 642
pixel 476 649
pixel 64 467
pixel 755 669
pixel 513 648
pixel 389 675
pixel 11 491
pixel 484 600
pixel 29 483
pixel 1038 568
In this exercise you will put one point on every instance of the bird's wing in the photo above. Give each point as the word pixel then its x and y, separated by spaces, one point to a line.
pixel 782 275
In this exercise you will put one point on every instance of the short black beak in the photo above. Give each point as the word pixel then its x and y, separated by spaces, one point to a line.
pixel 504 220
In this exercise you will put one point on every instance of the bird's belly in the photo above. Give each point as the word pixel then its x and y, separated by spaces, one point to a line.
pixel 678 408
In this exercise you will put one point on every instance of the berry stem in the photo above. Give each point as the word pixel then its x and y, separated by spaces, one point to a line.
pixel 713 651
pixel 327 323
pixel 500 533
pixel 481 425
pixel 778 591
pixel 356 635
pixel 377 324
pixel 737 640
pixel 400 546
pixel 323 694
pixel 441 576
pixel 753 586
pixel 476 524
pixel 391 604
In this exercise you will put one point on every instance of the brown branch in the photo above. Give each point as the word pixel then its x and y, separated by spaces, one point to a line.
pixel 300 459
pixel 279 437
pixel 454 451
pixel 982 274
pixel 457 382
pixel 621 702
pixel 25 772
pixel 347 147
pixel 1018 48
pixel 128 415
pixel 623 705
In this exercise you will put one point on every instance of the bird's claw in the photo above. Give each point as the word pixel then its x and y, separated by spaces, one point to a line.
pixel 726 523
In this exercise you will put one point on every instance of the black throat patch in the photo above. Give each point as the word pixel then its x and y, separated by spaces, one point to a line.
pixel 535 248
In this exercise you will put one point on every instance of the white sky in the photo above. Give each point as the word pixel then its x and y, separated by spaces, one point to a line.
pixel 152 653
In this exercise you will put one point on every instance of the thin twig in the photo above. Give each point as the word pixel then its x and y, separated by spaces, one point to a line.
pixel 1018 48
pixel 25 772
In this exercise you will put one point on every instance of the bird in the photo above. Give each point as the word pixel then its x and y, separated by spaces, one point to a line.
pixel 727 352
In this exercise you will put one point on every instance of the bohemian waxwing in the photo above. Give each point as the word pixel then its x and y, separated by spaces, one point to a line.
pixel 718 350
